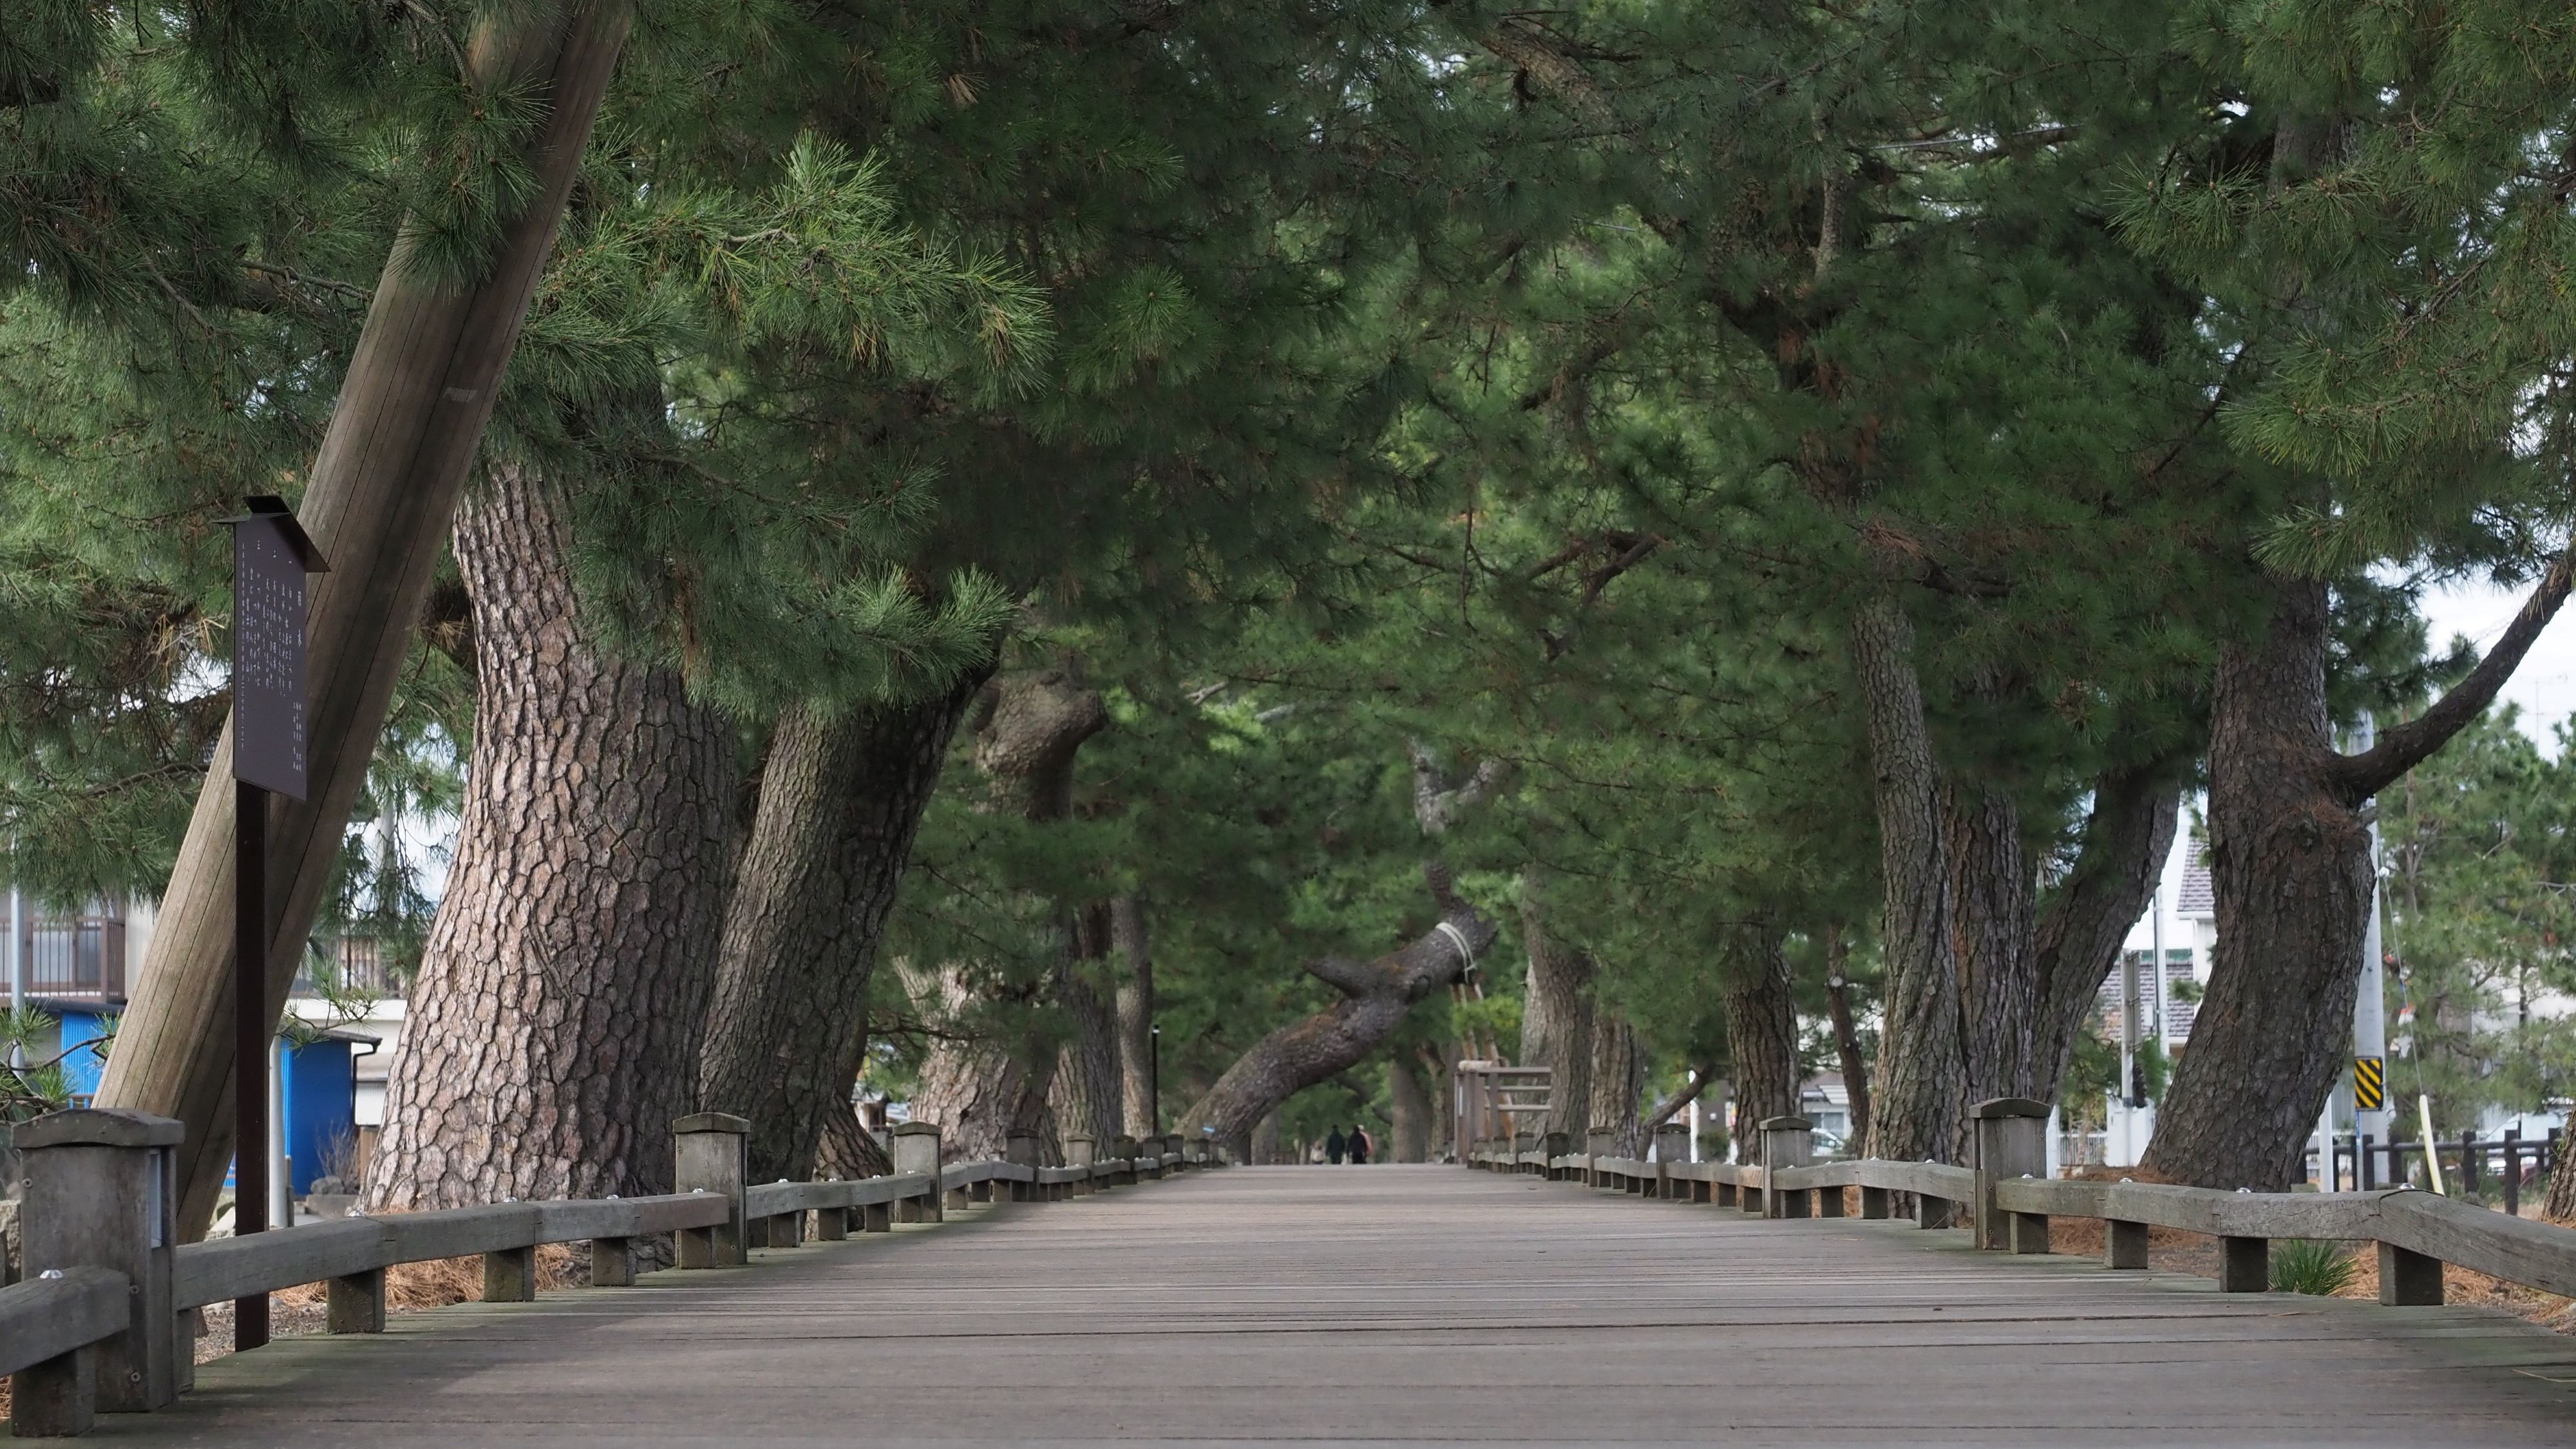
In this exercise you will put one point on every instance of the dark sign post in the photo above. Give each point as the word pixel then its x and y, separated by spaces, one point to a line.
pixel 271 556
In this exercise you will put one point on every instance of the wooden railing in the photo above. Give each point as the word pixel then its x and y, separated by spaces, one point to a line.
pixel 2008 1202
pixel 99 1324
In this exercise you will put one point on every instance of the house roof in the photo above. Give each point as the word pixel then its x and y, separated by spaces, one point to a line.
pixel 2197 897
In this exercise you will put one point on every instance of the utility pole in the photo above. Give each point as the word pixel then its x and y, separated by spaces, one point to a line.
pixel 17 964
pixel 1154 1082
pixel 2370 1006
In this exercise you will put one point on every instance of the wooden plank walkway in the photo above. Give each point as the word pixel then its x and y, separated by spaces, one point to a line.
pixel 1396 1305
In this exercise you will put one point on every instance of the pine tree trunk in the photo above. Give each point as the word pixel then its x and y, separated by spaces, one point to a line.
pixel 553 1028
pixel 379 502
pixel 1991 911
pixel 2561 1204
pixel 1408 1109
pixel 980 1088
pixel 1263 1150
pixel 1089 1086
pixel 1846 1033
pixel 1556 1016
pixel 1618 1074
pixel 1920 1078
pixel 840 799
pixel 1378 996
pixel 2290 862
pixel 1134 957
pixel 848 1150
pixel 1761 1024
pixel 1432 1070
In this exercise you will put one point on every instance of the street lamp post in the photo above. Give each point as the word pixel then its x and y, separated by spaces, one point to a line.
pixel 1154 1083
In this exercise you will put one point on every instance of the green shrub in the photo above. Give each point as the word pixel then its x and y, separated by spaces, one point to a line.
pixel 2302 1265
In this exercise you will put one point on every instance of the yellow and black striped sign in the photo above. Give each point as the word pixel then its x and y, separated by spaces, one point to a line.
pixel 2370 1084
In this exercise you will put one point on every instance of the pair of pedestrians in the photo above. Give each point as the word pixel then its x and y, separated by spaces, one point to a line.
pixel 1356 1147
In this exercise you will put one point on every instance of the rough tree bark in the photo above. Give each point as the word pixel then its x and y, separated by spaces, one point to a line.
pixel 1133 951
pixel 1846 1032
pixel 979 1088
pixel 1408 1109
pixel 848 1150
pixel 1556 1017
pixel 1991 914
pixel 1761 1024
pixel 1089 1084
pixel 1377 996
pixel 553 1028
pixel 1618 1073
pixel 2289 848
pixel 1920 1076
pixel 382 493
pixel 840 799
pixel 1434 1074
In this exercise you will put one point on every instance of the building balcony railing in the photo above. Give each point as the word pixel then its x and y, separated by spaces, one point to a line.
pixel 360 964
pixel 78 959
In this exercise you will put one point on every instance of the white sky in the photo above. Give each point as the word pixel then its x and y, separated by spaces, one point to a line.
pixel 2545 685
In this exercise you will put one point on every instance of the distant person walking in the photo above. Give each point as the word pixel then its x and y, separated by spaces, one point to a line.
pixel 1359 1146
pixel 1334 1146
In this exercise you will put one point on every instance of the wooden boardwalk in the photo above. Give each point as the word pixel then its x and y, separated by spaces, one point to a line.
pixel 1395 1305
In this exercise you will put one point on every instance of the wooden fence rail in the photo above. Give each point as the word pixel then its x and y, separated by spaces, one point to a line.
pixel 100 1324
pixel 2008 1202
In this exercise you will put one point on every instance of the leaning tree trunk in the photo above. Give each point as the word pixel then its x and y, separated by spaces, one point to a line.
pixel 379 501
pixel 978 1086
pixel 1618 1073
pixel 2290 860
pixel 840 800
pixel 553 1028
pixel 1131 951
pixel 1377 997
pixel 1761 1024
pixel 1846 1033
pixel 1921 1078
pixel 2086 921
pixel 1556 1017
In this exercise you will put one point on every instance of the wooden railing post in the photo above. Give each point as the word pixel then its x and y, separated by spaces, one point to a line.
pixel 510 1275
pixel 1672 1144
pixel 916 1150
pixel 2012 1142
pixel 1556 1145
pixel 1122 1149
pixel 99 1194
pixel 2124 1245
pixel 1786 1143
pixel 707 1156
pixel 2407 1279
pixel 832 1224
pixel 1080 1151
pixel 1020 1149
pixel 1598 1145
pixel 355 1303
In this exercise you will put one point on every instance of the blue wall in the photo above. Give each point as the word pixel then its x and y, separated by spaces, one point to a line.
pixel 81 1024
pixel 321 1091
